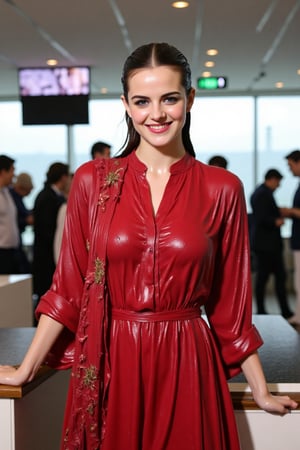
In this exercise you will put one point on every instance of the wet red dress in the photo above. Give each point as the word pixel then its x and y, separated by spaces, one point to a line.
pixel 160 383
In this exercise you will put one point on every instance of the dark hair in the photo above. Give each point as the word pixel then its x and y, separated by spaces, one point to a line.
pixel 56 171
pixel 294 155
pixel 273 173
pixel 154 55
pixel 99 147
pixel 218 161
pixel 6 162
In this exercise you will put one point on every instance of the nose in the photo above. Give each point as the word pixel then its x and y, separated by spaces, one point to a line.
pixel 157 112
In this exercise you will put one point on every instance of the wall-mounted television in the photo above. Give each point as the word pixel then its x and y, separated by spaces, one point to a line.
pixel 54 95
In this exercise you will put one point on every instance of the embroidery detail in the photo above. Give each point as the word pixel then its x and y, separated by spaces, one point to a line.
pixel 87 244
pixel 99 271
pixel 89 377
pixel 112 177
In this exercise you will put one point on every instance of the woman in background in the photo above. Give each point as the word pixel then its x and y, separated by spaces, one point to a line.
pixel 151 238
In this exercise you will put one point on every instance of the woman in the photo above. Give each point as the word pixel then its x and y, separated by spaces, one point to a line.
pixel 150 238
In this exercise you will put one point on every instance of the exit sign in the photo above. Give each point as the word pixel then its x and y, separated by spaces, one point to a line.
pixel 211 83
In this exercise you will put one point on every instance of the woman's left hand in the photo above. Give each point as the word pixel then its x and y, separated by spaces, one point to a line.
pixel 276 404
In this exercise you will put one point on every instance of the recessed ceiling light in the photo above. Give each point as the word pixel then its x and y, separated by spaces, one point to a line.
pixel 180 4
pixel 52 62
pixel 279 84
pixel 298 71
pixel 103 90
pixel 212 52
pixel 209 64
pixel 206 74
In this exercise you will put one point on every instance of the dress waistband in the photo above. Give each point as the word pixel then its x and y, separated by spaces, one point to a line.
pixel 160 316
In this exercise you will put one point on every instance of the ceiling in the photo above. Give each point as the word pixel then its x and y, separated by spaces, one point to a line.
pixel 258 40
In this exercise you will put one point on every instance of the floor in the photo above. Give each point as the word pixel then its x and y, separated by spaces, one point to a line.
pixel 272 306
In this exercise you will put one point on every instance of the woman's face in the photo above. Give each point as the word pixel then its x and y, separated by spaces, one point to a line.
pixel 157 104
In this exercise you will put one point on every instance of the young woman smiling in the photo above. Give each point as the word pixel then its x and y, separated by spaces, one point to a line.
pixel 151 241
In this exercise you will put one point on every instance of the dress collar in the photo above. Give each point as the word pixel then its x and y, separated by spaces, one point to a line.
pixel 181 165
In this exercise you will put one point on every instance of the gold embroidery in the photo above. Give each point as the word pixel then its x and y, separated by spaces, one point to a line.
pixel 90 377
pixel 99 271
pixel 87 244
pixel 112 178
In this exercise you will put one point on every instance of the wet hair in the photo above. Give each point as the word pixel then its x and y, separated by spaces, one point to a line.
pixel 155 55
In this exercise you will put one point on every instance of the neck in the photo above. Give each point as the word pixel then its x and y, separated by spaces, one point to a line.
pixel 159 160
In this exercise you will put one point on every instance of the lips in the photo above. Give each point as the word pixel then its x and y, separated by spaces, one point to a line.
pixel 159 128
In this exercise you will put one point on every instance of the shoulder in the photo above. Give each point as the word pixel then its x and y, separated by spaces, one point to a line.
pixel 94 172
pixel 218 179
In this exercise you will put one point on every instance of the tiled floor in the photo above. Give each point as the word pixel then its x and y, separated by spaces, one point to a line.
pixel 272 306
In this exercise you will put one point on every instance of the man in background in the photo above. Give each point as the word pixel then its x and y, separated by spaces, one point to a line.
pixel 293 160
pixel 46 206
pixel 100 150
pixel 218 161
pixel 20 189
pixel 267 243
pixel 9 233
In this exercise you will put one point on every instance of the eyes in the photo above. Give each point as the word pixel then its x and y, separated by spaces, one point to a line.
pixel 168 100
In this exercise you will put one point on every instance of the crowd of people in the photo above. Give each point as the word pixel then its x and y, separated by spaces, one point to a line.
pixel 151 241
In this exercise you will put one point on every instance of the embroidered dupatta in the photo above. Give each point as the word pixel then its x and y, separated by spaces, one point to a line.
pixel 84 423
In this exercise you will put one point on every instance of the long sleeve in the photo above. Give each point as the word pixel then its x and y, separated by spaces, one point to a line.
pixel 229 307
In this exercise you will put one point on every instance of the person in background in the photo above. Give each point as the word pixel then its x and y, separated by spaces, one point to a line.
pixel 46 206
pixel 9 232
pixel 151 238
pixel 293 160
pixel 267 243
pixel 60 222
pixel 21 188
pixel 100 150
pixel 218 161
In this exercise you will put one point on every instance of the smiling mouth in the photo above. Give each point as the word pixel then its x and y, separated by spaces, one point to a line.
pixel 158 128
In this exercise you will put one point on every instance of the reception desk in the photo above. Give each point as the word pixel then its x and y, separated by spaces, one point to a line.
pixel 280 356
pixel 16 307
pixel 31 416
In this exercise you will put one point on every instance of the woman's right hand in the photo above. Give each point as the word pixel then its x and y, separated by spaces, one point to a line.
pixel 12 376
pixel 46 333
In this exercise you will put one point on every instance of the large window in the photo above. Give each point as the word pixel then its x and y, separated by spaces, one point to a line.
pixel 220 125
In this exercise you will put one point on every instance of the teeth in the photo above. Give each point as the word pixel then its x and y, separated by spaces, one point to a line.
pixel 158 127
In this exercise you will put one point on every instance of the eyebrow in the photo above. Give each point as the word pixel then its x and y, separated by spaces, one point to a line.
pixel 168 94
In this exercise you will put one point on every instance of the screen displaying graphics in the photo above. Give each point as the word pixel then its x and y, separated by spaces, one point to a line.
pixel 56 95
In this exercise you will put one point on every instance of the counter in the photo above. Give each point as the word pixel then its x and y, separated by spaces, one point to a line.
pixel 31 416
pixel 16 307
pixel 280 356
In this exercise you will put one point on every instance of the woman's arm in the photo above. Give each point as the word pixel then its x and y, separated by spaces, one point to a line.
pixel 46 334
pixel 255 377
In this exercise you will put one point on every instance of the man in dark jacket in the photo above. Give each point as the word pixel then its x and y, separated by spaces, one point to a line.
pixel 46 206
pixel 267 244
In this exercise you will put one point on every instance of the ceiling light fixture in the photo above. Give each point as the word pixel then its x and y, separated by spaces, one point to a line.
pixel 279 84
pixel 104 90
pixel 206 74
pixel 52 62
pixel 212 52
pixel 209 64
pixel 298 71
pixel 180 4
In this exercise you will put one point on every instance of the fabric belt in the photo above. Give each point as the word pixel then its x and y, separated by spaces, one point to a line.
pixel 160 316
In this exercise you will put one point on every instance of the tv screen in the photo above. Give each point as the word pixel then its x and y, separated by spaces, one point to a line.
pixel 57 95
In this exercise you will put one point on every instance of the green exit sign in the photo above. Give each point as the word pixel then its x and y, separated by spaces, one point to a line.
pixel 212 83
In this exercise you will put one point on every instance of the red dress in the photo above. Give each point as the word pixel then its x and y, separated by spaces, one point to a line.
pixel 161 381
